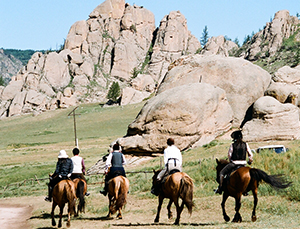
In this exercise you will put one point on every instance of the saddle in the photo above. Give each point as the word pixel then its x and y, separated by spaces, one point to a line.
pixel 227 176
pixel 170 173
pixel 116 173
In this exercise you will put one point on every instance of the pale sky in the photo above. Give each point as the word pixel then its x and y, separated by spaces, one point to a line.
pixel 44 24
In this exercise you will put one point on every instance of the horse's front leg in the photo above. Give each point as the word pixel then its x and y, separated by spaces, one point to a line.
pixel 160 201
pixel 237 217
pixel 109 207
pixel 170 215
pixel 255 204
pixel 224 198
pixel 52 214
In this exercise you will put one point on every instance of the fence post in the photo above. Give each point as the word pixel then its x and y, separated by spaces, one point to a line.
pixel 37 179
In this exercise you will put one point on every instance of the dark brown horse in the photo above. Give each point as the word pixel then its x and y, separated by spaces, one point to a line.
pixel 177 185
pixel 80 189
pixel 117 194
pixel 243 180
pixel 63 192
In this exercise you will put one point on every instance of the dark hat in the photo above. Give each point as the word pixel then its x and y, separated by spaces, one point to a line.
pixel 237 134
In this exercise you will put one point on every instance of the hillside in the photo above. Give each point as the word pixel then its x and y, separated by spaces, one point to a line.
pixel 11 61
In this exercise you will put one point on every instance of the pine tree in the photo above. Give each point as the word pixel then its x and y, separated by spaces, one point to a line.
pixel 114 92
pixel 204 37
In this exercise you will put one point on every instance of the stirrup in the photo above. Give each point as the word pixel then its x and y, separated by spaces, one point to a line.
pixel 218 191
pixel 103 192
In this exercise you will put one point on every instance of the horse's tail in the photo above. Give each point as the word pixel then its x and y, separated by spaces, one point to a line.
pixel 121 194
pixel 186 192
pixel 71 196
pixel 277 181
pixel 80 195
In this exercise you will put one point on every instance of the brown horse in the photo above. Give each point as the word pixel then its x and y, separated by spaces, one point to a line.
pixel 243 180
pixel 117 194
pixel 80 189
pixel 63 192
pixel 177 185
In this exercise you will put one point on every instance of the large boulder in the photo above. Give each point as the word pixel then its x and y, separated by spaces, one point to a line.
pixel 243 81
pixel 284 93
pixel 272 120
pixel 193 114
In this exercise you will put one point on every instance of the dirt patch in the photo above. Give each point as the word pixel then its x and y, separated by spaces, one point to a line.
pixel 14 216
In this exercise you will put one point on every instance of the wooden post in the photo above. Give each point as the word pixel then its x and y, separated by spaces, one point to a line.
pixel 75 132
pixel 37 179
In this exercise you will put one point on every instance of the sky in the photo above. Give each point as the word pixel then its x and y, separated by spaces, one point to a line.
pixel 44 24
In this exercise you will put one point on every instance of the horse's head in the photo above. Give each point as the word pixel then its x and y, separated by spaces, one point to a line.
pixel 154 178
pixel 220 165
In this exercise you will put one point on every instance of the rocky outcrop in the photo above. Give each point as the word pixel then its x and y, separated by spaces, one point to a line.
pixel 218 46
pixel 284 93
pixel 272 120
pixel 114 44
pixel 267 41
pixel 243 81
pixel 173 39
pixel 193 114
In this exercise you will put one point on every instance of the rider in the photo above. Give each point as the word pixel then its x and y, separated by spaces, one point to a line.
pixel 64 168
pixel 172 160
pixel 115 162
pixel 78 166
pixel 236 156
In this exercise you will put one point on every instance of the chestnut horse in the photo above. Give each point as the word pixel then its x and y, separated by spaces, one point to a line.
pixel 63 192
pixel 117 194
pixel 243 180
pixel 80 190
pixel 178 185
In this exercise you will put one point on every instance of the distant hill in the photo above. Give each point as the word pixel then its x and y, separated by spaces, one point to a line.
pixel 11 61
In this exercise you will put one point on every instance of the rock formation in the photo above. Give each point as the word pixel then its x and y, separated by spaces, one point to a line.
pixel 267 41
pixel 194 114
pixel 272 120
pixel 114 44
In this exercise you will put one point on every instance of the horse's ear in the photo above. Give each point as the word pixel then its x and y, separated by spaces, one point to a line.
pixel 218 162
pixel 154 170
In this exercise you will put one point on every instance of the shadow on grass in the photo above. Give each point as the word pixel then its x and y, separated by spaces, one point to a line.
pixel 161 224
pixel 48 216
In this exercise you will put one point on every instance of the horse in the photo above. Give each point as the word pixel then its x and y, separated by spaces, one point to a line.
pixel 80 189
pixel 63 192
pixel 178 185
pixel 243 180
pixel 117 194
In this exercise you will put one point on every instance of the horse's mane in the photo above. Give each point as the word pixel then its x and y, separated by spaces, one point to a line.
pixel 223 161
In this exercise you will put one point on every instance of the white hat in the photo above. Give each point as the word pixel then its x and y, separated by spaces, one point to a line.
pixel 62 154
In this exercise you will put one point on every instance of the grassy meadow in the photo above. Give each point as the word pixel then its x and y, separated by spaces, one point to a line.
pixel 29 147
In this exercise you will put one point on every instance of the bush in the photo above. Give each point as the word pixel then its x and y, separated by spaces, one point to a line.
pixel 114 91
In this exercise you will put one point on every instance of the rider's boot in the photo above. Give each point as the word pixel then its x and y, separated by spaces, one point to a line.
pixel 220 188
pixel 49 197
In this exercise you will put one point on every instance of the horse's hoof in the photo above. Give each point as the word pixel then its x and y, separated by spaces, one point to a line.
pixel 53 223
pixel 176 222
pixel 59 225
pixel 226 218
pixel 156 220
pixel 68 224
pixel 253 218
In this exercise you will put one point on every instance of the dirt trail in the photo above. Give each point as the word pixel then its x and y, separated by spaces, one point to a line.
pixel 14 216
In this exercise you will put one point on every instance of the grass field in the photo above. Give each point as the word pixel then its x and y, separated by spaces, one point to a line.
pixel 29 147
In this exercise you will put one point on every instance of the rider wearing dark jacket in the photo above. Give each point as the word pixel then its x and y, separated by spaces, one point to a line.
pixel 114 166
pixel 237 154
pixel 64 168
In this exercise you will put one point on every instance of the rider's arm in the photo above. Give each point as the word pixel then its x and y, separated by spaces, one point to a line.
pixel 123 160
pixel 250 154
pixel 230 152
pixel 108 162
pixel 83 166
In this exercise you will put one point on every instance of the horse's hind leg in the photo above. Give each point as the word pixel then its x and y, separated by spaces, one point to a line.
pixel 224 198
pixel 178 211
pixel 253 218
pixel 61 209
pixel 170 215
pixel 52 214
pixel 119 216
pixel 237 217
